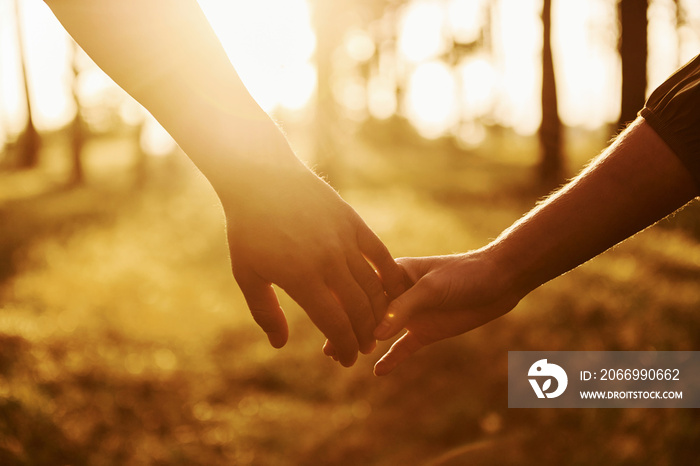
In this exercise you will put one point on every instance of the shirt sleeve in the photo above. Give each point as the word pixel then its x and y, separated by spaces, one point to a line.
pixel 673 111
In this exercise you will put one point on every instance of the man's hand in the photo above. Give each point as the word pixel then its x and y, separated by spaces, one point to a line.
pixel 634 183
pixel 450 296
pixel 291 229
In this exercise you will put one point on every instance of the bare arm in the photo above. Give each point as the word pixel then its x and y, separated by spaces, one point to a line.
pixel 633 184
pixel 636 182
pixel 285 225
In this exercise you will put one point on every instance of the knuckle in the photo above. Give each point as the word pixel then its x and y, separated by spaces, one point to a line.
pixel 372 285
pixel 431 285
pixel 263 317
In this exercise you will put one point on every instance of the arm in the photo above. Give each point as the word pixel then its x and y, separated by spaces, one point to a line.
pixel 637 181
pixel 285 225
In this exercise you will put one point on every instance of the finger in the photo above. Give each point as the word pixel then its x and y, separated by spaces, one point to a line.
pixel 330 318
pixel 392 276
pixel 329 350
pixel 371 284
pixel 418 297
pixel 357 306
pixel 264 307
pixel 398 353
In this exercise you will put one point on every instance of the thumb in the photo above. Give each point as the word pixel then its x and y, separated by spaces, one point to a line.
pixel 401 309
pixel 399 352
pixel 265 309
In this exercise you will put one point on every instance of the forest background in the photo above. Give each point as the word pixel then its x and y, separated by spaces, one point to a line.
pixel 124 339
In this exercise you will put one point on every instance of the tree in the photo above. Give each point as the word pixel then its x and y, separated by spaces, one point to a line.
pixel 551 166
pixel 29 140
pixel 327 35
pixel 76 128
pixel 633 54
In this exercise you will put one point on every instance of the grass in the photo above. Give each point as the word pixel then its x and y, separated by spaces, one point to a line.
pixel 124 339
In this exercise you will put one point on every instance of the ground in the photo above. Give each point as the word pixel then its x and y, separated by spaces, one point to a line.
pixel 125 340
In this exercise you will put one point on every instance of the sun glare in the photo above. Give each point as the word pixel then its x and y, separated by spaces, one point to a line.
pixel 46 49
pixel 464 19
pixel 421 33
pixel 431 104
pixel 271 43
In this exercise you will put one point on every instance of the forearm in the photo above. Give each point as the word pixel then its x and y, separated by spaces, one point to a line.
pixel 166 55
pixel 633 184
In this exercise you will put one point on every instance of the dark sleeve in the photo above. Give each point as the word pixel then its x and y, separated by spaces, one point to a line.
pixel 673 111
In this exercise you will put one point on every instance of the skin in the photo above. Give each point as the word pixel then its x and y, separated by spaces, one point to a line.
pixel 285 225
pixel 637 181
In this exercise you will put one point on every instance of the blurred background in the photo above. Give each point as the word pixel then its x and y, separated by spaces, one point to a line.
pixel 124 339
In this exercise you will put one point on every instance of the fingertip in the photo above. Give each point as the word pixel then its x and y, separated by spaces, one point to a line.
pixel 378 371
pixel 383 367
pixel 402 349
pixel 348 361
pixel 387 327
pixel 369 347
pixel 328 349
pixel 277 339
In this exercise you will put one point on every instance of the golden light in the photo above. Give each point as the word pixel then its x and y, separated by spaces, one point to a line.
pixel 359 45
pixel 517 51
pixel 46 48
pixel 271 43
pixel 381 97
pixel 421 32
pixel 431 103
pixel 465 19
pixel 478 84
pixel 587 62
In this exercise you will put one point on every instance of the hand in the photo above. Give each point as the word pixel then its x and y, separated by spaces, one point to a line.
pixel 291 229
pixel 450 295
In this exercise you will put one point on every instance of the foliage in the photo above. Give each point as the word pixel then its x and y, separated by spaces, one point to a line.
pixel 124 340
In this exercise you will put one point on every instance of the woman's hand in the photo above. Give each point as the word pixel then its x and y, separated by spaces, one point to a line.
pixel 290 228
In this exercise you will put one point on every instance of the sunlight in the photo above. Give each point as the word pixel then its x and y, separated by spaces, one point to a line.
pixel 381 97
pixel 46 47
pixel 465 19
pixel 421 31
pixel 9 79
pixel 359 45
pixel 518 43
pixel 587 63
pixel 271 43
pixel 47 51
pixel 478 82
pixel 431 103
pixel 664 49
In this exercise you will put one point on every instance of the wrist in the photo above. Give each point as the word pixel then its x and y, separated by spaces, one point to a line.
pixel 510 273
pixel 246 158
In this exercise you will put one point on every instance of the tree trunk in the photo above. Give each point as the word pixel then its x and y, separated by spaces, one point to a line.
pixel 77 130
pixel 327 157
pixel 29 141
pixel 551 167
pixel 633 54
